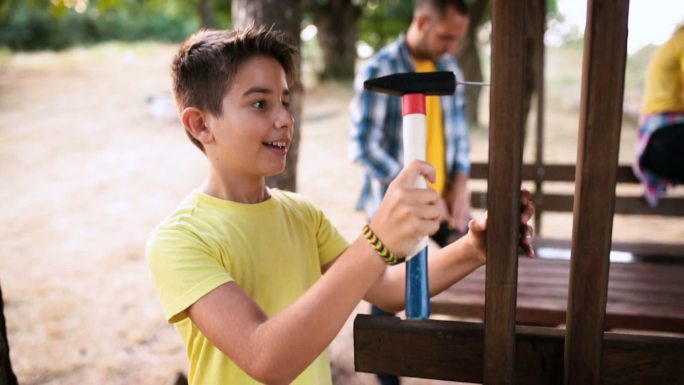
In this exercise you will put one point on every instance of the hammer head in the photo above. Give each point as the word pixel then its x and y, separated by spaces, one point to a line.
pixel 428 83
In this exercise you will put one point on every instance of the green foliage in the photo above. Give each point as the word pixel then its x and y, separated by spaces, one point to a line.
pixel 59 24
pixel 383 20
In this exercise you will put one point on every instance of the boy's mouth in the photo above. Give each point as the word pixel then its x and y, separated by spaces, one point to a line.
pixel 280 145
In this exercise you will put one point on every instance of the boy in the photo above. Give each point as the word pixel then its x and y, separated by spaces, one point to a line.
pixel 256 280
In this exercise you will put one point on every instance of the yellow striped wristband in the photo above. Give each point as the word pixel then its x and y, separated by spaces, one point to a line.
pixel 379 247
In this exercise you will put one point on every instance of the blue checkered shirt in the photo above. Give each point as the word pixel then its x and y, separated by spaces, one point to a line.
pixel 375 131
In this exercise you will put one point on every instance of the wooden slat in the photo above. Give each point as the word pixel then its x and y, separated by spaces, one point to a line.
pixel 506 130
pixel 553 172
pixel 603 73
pixel 668 206
pixel 449 350
pixel 640 250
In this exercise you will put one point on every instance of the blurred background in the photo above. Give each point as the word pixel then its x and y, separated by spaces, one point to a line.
pixel 92 156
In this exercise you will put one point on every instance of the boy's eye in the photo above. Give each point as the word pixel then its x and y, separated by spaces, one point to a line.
pixel 259 104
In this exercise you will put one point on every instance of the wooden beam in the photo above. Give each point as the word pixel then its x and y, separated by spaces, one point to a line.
pixel 539 88
pixel 603 73
pixel 452 351
pixel 506 131
pixel 668 206
pixel 552 172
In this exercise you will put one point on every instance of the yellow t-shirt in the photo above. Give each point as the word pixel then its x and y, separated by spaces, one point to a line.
pixel 274 250
pixel 664 91
pixel 435 151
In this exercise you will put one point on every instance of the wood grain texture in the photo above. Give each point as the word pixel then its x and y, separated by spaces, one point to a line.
pixel 603 73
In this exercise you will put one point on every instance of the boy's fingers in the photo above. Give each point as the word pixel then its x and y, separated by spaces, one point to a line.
pixel 413 171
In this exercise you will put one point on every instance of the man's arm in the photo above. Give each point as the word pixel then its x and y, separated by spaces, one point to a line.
pixel 368 113
pixel 458 202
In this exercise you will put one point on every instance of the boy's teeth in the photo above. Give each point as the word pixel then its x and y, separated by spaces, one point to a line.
pixel 277 144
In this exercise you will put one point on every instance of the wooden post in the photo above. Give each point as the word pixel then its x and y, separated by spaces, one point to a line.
pixel 539 88
pixel 503 195
pixel 605 48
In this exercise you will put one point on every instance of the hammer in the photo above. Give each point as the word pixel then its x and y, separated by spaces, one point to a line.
pixel 413 87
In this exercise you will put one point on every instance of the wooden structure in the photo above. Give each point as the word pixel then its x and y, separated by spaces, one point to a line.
pixel 499 351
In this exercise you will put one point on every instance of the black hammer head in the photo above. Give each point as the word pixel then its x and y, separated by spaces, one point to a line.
pixel 429 83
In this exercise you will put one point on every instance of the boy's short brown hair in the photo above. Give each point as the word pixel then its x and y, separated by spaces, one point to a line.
pixel 204 67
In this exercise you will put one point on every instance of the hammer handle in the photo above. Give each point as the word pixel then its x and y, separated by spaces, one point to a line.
pixel 414 137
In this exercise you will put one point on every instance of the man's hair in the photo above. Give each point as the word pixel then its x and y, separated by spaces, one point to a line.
pixel 206 64
pixel 440 6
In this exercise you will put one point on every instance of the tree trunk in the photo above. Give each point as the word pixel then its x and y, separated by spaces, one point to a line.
pixel 532 28
pixel 206 13
pixel 468 57
pixel 7 376
pixel 285 15
pixel 336 21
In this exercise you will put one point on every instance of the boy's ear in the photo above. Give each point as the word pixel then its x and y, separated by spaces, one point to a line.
pixel 195 122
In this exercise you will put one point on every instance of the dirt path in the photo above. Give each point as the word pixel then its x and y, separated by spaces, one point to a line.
pixel 87 173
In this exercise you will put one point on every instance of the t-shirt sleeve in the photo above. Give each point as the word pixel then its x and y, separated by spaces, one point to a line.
pixel 184 268
pixel 330 242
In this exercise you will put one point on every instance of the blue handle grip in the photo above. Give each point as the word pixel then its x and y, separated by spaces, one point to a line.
pixel 417 287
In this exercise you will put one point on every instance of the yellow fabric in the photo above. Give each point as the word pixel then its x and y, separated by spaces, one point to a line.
pixel 435 151
pixel 664 90
pixel 274 250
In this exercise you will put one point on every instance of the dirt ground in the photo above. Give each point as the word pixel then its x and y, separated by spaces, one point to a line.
pixel 90 165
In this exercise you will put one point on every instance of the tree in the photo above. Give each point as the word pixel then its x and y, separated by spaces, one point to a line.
pixel 285 15
pixel 6 374
pixel 336 21
pixel 468 57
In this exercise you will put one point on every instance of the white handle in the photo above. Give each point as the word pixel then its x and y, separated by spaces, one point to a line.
pixel 415 141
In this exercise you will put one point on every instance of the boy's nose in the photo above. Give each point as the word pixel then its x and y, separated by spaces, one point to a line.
pixel 285 119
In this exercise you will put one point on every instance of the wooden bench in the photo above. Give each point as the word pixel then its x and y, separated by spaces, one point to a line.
pixel 672 206
pixel 641 295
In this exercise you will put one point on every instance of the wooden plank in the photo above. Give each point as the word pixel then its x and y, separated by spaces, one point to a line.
pixel 640 296
pixel 506 132
pixel 603 73
pixel 553 172
pixel 540 14
pixel 452 351
pixel 640 250
pixel 668 206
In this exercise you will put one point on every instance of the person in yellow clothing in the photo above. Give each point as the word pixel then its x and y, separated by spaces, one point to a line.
pixel 660 146
pixel 256 280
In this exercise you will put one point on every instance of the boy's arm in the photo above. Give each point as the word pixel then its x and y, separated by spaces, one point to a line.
pixel 276 349
pixel 446 266
pixel 450 264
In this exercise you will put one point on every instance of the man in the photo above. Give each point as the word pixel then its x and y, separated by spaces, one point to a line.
pixel 376 138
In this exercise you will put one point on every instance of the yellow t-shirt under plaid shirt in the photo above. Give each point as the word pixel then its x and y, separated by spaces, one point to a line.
pixel 435 151
pixel 273 250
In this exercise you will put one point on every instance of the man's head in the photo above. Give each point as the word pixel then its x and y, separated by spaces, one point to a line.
pixel 437 28
pixel 204 68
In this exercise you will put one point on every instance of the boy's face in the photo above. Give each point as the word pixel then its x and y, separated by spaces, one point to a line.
pixel 254 132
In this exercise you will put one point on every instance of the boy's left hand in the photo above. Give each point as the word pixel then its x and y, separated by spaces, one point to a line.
pixel 526 231
pixel 478 227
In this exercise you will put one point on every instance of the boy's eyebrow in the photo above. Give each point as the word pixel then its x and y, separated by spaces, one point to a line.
pixel 263 90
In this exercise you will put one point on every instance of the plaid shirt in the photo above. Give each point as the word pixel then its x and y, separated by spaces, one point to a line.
pixel 654 185
pixel 375 132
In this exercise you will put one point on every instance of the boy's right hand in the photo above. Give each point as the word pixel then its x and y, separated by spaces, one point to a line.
pixel 407 214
